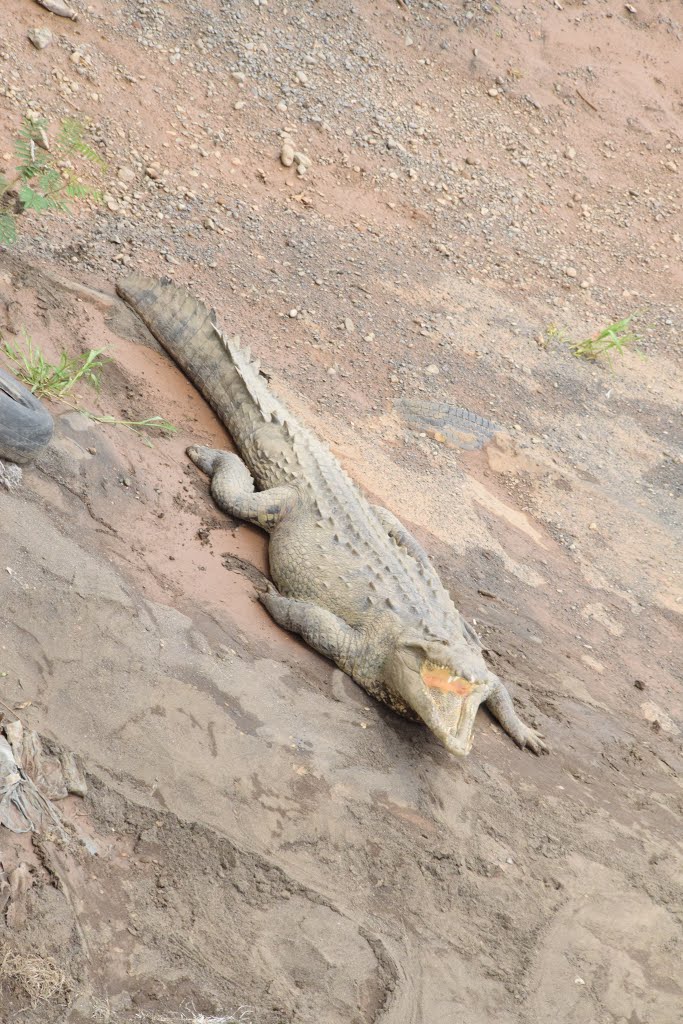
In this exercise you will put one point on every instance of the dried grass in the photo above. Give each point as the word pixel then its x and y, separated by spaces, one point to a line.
pixel 243 1015
pixel 37 977
pixel 103 1013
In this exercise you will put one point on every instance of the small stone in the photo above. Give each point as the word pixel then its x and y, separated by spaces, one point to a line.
pixel 639 684
pixel 301 77
pixel 293 314
pixel 659 718
pixel 570 153
pixel 40 37
pixel 630 8
pixel 570 272
pixel 239 77
pixel 152 172
pixel 239 105
pixel 493 91
pixel 432 369
pixel 672 166
pixel 472 160
pixel 287 154
pixel 125 174
pixel 302 160
pixel 349 325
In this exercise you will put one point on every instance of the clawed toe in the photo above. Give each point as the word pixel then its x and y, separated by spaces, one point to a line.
pixel 535 742
pixel 204 458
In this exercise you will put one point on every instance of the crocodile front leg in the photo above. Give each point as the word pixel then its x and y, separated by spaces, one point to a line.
pixel 500 705
pixel 232 488
pixel 323 631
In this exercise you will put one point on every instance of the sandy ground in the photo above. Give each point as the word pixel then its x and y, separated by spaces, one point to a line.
pixel 269 842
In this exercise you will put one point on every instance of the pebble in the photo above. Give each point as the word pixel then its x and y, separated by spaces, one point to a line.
pixel 671 165
pixel 349 325
pixel 40 37
pixel 287 154
pixel 493 91
pixel 293 314
pixel 570 153
pixel 570 272
pixel 432 369
pixel 239 105
pixel 153 171
pixel 301 77
pixel 125 174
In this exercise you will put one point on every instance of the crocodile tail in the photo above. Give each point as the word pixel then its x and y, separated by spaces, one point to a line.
pixel 220 369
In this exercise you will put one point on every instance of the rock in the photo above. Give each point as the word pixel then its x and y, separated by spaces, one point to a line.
pixel 472 160
pixel 672 166
pixel 570 153
pixel 349 325
pixel 302 160
pixel 153 171
pixel 293 314
pixel 493 91
pixel 432 369
pixel 40 37
pixel 570 271
pixel 658 717
pixel 59 8
pixel 125 174
pixel 301 77
pixel 287 154
pixel 239 105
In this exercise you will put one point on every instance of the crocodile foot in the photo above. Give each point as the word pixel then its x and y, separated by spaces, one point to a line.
pixel 531 739
pixel 204 458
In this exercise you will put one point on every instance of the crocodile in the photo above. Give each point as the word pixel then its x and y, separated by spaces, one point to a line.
pixel 349 577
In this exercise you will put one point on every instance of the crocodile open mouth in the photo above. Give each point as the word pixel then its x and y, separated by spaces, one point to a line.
pixel 454 702
pixel 438 677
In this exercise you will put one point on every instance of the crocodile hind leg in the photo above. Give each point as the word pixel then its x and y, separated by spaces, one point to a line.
pixel 499 703
pixel 232 488
pixel 324 632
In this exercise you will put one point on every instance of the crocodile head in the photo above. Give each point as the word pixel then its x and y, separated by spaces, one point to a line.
pixel 443 684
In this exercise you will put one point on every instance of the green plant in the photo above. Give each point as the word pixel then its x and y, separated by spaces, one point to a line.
pixel 50 380
pixel 614 338
pixel 44 178
pixel 152 422
pixel 47 380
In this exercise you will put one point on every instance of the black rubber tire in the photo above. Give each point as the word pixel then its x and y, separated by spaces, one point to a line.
pixel 25 425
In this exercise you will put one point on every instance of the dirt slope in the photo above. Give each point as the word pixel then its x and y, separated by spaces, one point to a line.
pixel 266 837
